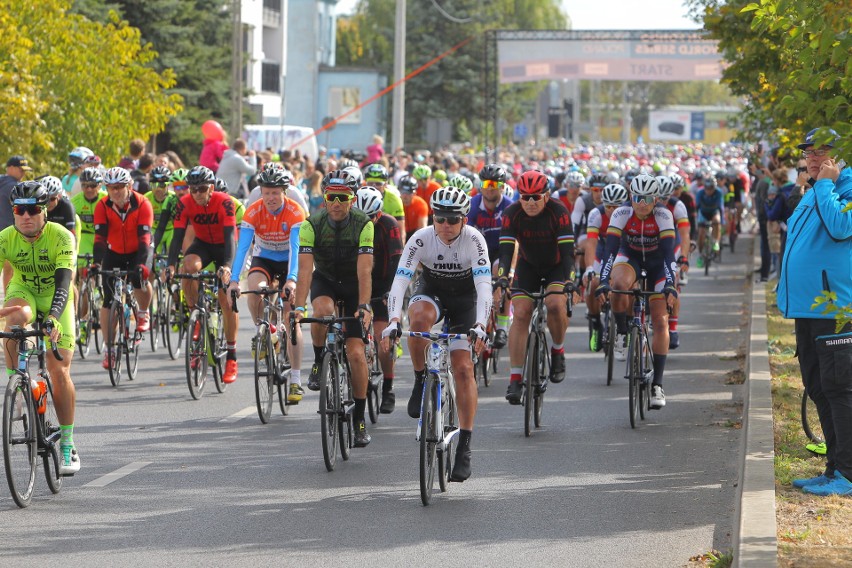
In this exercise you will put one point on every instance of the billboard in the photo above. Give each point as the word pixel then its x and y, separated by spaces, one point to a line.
pixel 675 126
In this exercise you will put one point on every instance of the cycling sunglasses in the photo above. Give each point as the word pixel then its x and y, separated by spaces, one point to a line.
pixel 90 185
pixel 532 197
pixel 491 184
pixel 646 199
pixel 199 188
pixel 339 197
pixel 31 210
pixel 452 219
pixel 180 186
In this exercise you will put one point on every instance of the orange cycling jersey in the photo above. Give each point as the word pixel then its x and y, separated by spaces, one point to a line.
pixel 272 231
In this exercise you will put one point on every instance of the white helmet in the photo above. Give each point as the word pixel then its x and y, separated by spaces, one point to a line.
pixel 355 172
pixel 369 200
pixel 643 184
pixel 614 195
pixel 116 175
pixel 666 187
pixel 575 178
pixel 52 185
pixel 450 200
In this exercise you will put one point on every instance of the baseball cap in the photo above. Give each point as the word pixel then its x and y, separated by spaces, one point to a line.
pixel 809 139
pixel 19 162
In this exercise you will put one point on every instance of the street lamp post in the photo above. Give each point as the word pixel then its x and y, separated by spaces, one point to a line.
pixel 398 117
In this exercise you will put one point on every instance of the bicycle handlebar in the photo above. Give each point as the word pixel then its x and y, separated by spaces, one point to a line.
pixel 19 334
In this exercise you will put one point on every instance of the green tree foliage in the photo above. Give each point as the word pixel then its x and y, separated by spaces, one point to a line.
pixel 790 60
pixel 72 82
pixel 454 87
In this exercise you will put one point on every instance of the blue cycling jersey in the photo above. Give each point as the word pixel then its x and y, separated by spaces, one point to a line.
pixel 488 222
pixel 709 204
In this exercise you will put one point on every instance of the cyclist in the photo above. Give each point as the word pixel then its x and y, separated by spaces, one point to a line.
pixel 377 176
pixel 77 162
pixel 688 200
pixel 335 253
pixel 91 183
pixel 212 216
pixel 567 195
pixel 416 210
pixel 387 248
pixel 59 208
pixel 681 221
pixel 123 240
pixel 456 285
pixel 43 258
pixel 426 186
pixel 486 214
pixel 272 226
pixel 613 196
pixel 163 202
pixel 587 201
pixel 542 229
pixel 641 236
pixel 711 210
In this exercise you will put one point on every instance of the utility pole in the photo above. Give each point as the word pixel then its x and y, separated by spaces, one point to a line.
pixel 237 70
pixel 398 116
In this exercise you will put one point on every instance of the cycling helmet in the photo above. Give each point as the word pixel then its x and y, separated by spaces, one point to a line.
pixel 116 175
pixel 355 173
pixel 160 174
pixel 92 161
pixel 450 200
pixel 710 182
pixel 614 194
pixel 407 184
pixel 369 200
pixel 493 172
pixel 376 172
pixel 630 174
pixel 347 163
pixel 509 191
pixel 575 178
pixel 440 176
pixel 273 177
pixel 200 175
pixel 339 180
pixel 272 166
pixel 643 184
pixel 421 172
pixel 612 177
pixel 52 185
pixel 28 193
pixel 91 175
pixel 179 175
pixel 220 185
pixel 677 181
pixel 665 187
pixel 598 180
pixel 533 182
pixel 461 182
pixel 78 156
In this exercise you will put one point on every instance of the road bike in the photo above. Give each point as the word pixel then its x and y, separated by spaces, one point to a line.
pixel 122 336
pixel 708 255
pixel 608 336
pixel 269 351
pixel 157 315
pixel 335 378
pixel 30 425
pixel 485 364
pixel 88 311
pixel 174 315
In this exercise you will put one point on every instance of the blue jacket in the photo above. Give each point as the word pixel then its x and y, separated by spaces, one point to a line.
pixel 818 254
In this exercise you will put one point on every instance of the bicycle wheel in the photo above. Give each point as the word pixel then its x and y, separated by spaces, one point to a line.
pixel 538 393
pixel 282 366
pixel 175 325
pixel 114 335
pixel 530 380
pixel 810 420
pixel 647 375
pixel 375 381
pixel 217 349
pixel 20 446
pixel 96 303
pixel 429 436
pixel 264 373
pixel 49 436
pixel 447 456
pixel 610 346
pixel 84 332
pixel 195 354
pixel 132 342
pixel 154 315
pixel 327 410
pixel 344 409
pixel 634 375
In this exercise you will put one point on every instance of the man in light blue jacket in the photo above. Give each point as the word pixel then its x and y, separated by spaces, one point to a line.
pixel 818 257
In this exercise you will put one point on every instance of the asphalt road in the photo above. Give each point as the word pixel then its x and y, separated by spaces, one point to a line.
pixel 169 481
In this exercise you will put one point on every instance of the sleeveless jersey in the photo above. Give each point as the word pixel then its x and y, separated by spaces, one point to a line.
pixel 336 248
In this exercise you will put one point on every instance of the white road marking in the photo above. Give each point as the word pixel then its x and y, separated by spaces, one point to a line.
pixel 237 416
pixel 105 480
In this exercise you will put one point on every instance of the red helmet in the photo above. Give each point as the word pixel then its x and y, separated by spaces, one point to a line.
pixel 532 182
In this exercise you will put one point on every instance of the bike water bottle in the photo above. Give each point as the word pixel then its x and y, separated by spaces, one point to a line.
pixel 214 320
pixel 273 332
pixel 39 390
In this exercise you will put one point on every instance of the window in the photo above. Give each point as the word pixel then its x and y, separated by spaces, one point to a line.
pixel 270 78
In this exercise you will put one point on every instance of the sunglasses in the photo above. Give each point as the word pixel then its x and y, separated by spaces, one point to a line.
pixel 180 186
pixel 339 197
pixel 90 185
pixel 453 220
pixel 646 199
pixel 31 210
pixel 116 186
pixel 801 170
pixel 199 188
pixel 491 184
pixel 533 197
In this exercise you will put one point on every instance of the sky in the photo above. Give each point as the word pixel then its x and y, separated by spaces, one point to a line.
pixel 609 14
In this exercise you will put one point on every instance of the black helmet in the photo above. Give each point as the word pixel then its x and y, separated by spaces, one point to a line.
pixel 273 177
pixel 407 184
pixel 376 172
pixel 200 175
pixel 598 180
pixel 160 174
pixel 220 185
pixel 91 175
pixel 340 179
pixel 28 193
pixel 493 172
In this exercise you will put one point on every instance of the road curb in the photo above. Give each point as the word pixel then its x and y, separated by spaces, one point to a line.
pixel 755 542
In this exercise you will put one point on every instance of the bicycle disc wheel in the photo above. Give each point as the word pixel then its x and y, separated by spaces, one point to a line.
pixel 264 373
pixel 327 411
pixel 610 346
pixel 634 375
pixel 114 344
pixel 195 354
pixel 538 394
pixel 20 446
pixel 49 425
pixel 810 420
pixel 154 315
pixel 530 380
pixel 428 440
pixel 446 460
pixel 84 333
pixel 217 350
pixel 132 345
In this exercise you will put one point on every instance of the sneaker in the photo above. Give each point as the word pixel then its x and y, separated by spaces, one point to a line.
pixel 69 462
pixel 143 323
pixel 500 339
pixel 716 246
pixel 816 449
pixel 699 262
pixel 109 360
pixel 557 367
pixel 838 485
pixel 461 467
pixel 388 402
pixel 658 397
pixel 313 378
pixel 674 340
pixel 362 437
pixel 620 347
pixel 818 480
pixel 230 372
pixel 514 392
pixel 295 394
pixel 684 278
pixel 415 398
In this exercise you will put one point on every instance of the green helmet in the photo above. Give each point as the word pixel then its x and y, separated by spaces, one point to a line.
pixel 461 182
pixel 421 172
pixel 179 175
pixel 440 176
pixel 376 172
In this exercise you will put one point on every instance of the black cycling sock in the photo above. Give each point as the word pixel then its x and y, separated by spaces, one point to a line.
pixel 318 354
pixel 387 384
pixel 621 324
pixel 659 367
pixel 464 440
pixel 358 410
pixel 420 375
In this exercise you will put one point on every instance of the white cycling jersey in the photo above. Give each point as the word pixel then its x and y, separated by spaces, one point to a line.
pixel 457 268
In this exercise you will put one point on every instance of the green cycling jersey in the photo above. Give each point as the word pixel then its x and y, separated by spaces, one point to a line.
pixel 86 212
pixel 336 246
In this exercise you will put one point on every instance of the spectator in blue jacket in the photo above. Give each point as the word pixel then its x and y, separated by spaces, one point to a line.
pixel 817 258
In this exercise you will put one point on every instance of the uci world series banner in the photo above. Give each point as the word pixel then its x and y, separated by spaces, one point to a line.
pixel 534 55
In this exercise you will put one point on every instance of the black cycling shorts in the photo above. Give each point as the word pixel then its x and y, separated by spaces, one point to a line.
pixel 380 308
pixel 207 252
pixel 273 270
pixel 529 277
pixel 459 310
pixel 321 286
pixel 122 262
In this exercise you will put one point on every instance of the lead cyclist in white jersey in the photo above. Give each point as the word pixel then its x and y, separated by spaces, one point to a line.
pixel 455 284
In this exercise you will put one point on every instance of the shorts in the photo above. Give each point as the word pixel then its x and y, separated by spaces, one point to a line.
pixel 380 308
pixel 459 310
pixel 704 220
pixel 207 252
pixel 530 278
pixel 654 268
pixel 273 270
pixel 40 305
pixel 122 262
pixel 321 286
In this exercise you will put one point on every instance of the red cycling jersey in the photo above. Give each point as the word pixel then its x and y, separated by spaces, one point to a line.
pixel 123 231
pixel 209 221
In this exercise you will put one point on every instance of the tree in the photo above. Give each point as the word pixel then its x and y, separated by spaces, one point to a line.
pixel 75 82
